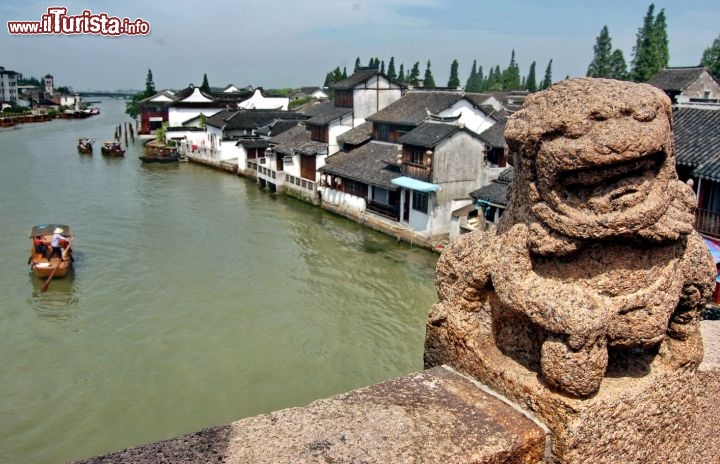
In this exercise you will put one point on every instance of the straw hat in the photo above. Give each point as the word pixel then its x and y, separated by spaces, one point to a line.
pixel 58 230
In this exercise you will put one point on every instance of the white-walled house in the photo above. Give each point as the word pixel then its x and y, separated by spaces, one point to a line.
pixel 260 101
pixel 440 164
pixel 191 106
pixel 291 163
pixel 430 169
pixel 366 92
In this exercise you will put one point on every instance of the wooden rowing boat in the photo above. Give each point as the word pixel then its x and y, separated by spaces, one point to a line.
pixel 42 261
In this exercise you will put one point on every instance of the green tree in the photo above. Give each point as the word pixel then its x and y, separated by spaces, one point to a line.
pixel 205 87
pixel 382 67
pixel 391 74
pixel 414 75
pixel 650 54
pixel 357 63
pixel 132 108
pixel 472 78
pixel 494 80
pixel 660 39
pixel 480 81
pixel 428 81
pixel 401 74
pixel 547 80
pixel 601 65
pixel 344 73
pixel 618 69
pixel 454 80
pixel 531 81
pixel 711 58
pixel 149 85
pixel 511 76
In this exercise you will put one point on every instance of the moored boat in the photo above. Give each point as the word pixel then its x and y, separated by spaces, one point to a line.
pixel 173 157
pixel 85 145
pixel 112 148
pixel 46 260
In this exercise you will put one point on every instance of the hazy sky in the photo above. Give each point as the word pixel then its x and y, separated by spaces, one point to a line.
pixel 292 43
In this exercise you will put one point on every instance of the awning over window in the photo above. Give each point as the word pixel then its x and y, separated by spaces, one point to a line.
pixel 414 184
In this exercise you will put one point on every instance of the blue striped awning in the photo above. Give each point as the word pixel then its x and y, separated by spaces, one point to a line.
pixel 414 184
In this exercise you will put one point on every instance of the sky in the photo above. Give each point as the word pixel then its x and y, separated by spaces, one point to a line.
pixel 293 43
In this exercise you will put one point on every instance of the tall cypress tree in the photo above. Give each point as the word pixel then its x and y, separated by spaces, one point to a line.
pixel 205 87
pixel 382 67
pixel 454 80
pixel 428 81
pixel 511 76
pixel 472 78
pixel 650 54
pixel 601 64
pixel 149 85
pixel 618 68
pixel 391 68
pixel 480 80
pixel 357 63
pixel 711 58
pixel 547 80
pixel 401 74
pixel 531 81
pixel 660 40
pixel 414 75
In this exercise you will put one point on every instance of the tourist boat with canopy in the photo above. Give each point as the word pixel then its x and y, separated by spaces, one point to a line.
pixel 48 262
pixel 112 148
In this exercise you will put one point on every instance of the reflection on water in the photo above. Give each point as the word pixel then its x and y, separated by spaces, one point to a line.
pixel 188 284
pixel 59 302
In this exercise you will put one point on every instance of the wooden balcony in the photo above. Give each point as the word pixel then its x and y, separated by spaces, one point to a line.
pixel 707 222
pixel 417 171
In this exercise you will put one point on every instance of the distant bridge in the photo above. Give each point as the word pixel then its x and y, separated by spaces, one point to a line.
pixel 107 94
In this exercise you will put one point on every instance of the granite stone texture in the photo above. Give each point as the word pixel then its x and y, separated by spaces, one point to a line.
pixel 583 303
pixel 435 416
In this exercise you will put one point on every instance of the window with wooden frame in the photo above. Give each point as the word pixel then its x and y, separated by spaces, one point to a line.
pixel 420 201
pixel 318 133
pixel 344 98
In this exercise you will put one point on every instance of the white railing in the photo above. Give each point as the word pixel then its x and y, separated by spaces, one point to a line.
pixel 298 183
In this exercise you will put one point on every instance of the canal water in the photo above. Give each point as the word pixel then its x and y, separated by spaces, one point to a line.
pixel 197 299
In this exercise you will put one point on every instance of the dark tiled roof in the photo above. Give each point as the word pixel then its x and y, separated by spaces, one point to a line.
pixel 413 107
pixel 166 93
pixel 234 97
pixel 329 115
pixel 253 143
pixel 220 118
pixel 370 163
pixel 297 140
pixel 496 191
pixel 494 135
pixel 697 141
pixel 358 135
pixel 675 79
pixel 184 93
pixel 428 134
pixel 358 77
pixel 252 119
pixel 315 108
pixel 281 126
pixel 296 133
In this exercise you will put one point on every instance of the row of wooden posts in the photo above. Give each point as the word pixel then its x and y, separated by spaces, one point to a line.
pixel 128 130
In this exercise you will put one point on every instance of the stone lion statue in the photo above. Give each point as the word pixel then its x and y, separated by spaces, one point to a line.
pixel 596 255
